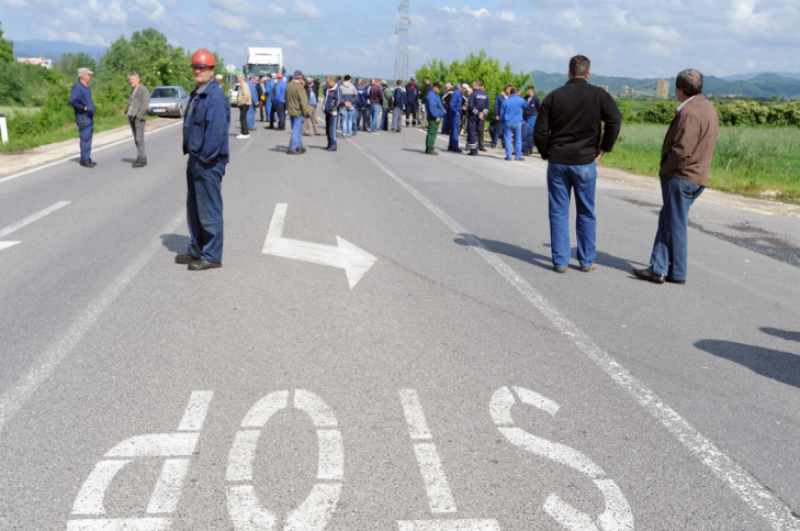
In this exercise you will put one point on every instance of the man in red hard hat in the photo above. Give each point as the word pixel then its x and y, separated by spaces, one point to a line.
pixel 205 140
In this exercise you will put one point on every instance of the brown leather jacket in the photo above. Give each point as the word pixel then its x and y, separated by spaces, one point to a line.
pixel 690 142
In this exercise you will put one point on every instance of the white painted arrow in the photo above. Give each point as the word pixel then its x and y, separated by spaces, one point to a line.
pixel 27 221
pixel 354 260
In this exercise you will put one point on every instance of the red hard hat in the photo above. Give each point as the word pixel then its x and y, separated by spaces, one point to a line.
pixel 203 57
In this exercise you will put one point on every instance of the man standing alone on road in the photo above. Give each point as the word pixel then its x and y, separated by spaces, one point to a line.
pixel 205 140
pixel 568 135
pixel 435 112
pixel 137 115
pixel 297 107
pixel 81 99
pixel 685 162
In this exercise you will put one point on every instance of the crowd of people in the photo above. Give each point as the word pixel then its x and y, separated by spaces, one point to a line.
pixel 571 129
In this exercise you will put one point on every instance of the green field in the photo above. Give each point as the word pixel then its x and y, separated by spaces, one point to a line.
pixel 748 160
pixel 7 110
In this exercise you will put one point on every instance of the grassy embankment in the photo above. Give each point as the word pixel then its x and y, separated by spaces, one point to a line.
pixel 747 161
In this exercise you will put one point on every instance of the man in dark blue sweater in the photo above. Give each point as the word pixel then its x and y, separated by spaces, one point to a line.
pixel 569 134
pixel 81 99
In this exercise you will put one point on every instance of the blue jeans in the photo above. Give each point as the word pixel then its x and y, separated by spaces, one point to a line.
pixel 532 122
pixel 297 132
pixel 330 129
pixel 363 118
pixel 85 130
pixel 268 105
pixel 455 120
pixel 376 114
pixel 561 180
pixel 672 238
pixel 497 131
pixel 204 209
pixel 347 120
pixel 251 117
pixel 516 130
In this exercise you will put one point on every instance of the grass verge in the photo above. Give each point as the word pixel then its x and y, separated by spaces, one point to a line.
pixel 748 160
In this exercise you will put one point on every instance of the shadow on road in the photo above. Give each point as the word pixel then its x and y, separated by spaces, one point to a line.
pixel 783 334
pixel 177 243
pixel 540 260
pixel 781 366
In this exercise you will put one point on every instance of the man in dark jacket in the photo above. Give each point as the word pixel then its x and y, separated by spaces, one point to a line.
pixel 498 105
pixel 399 104
pixel 333 100
pixel 534 104
pixel 81 100
pixel 569 134
pixel 412 97
pixel 205 140
pixel 435 112
pixel 375 104
pixel 477 106
pixel 362 105
pixel 685 162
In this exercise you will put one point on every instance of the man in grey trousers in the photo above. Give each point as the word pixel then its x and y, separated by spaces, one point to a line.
pixel 137 114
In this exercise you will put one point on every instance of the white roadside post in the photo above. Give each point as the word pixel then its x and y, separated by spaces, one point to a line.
pixel 3 128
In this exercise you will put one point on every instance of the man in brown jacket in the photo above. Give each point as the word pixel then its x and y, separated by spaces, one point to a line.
pixel 136 112
pixel 685 163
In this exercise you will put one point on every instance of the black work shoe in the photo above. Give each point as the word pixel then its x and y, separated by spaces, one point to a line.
pixel 87 164
pixel 303 149
pixel 202 265
pixel 673 281
pixel 648 274
pixel 481 148
pixel 93 163
pixel 560 269
pixel 185 259
pixel 139 164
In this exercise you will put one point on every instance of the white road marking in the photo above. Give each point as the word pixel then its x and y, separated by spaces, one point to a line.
pixel 75 157
pixel 42 368
pixel 354 260
pixel 448 525
pixel 616 517
pixel 27 221
pixel 318 508
pixel 166 494
pixel 760 499
pixel 415 417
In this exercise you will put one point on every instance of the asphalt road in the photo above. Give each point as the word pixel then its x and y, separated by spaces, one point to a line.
pixel 385 347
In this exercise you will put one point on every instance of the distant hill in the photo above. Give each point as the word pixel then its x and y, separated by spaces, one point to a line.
pixel 55 49
pixel 747 77
pixel 765 85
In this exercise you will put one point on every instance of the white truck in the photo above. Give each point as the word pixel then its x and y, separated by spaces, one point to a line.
pixel 263 61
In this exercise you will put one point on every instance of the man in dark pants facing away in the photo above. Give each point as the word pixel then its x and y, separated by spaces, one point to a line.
pixel 332 102
pixel 81 99
pixel 205 140
pixel 685 162
pixel 567 134
pixel 435 111
pixel 412 98
pixel 477 106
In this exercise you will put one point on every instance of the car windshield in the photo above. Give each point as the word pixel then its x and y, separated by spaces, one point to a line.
pixel 164 92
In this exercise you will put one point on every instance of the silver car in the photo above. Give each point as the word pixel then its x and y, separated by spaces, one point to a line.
pixel 233 94
pixel 168 101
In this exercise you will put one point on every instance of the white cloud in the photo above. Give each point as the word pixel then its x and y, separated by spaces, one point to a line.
pixel 448 9
pixel 231 22
pixel 256 36
pixel 275 8
pixel 557 51
pixel 307 8
pixel 508 16
pixel 106 14
pixel 743 8
pixel 477 13
pixel 238 7
pixel 151 8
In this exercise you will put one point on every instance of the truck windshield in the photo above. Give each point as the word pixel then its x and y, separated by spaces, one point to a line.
pixel 262 70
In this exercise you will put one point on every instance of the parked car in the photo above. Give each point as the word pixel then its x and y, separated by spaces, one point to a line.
pixel 232 94
pixel 168 101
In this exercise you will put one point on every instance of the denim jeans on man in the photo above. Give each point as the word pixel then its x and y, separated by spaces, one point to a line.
pixel 297 132
pixel 561 180
pixel 347 120
pixel 85 131
pixel 204 209
pixel 376 115
pixel 251 117
pixel 516 130
pixel 670 247
pixel 330 130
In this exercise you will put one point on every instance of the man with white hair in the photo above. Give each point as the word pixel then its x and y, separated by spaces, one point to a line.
pixel 137 115
pixel 81 99
pixel 243 101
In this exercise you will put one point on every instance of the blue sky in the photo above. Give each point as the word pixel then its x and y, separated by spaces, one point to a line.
pixel 637 38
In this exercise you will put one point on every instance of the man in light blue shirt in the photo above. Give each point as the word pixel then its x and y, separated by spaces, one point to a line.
pixel 511 116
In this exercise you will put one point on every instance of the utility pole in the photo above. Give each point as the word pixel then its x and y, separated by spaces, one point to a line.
pixel 401 57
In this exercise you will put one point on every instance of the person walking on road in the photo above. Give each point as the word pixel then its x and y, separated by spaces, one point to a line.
pixel 205 140
pixel 279 104
pixel 454 112
pixel 511 114
pixel 311 122
pixel 136 112
pixel 298 109
pixel 477 106
pixel 685 162
pixel 243 102
pixel 81 100
pixel 568 135
pixel 399 105
pixel 333 100
pixel 435 112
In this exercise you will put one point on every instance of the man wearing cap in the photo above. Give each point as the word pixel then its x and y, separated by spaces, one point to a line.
pixel 454 107
pixel 205 140
pixel 435 111
pixel 477 106
pixel 279 104
pixel 218 79
pixel 412 95
pixel 137 115
pixel 297 107
pixel 81 99
pixel 399 105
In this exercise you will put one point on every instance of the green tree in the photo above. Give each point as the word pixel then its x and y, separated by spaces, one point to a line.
pixel 488 69
pixel 6 47
pixel 69 63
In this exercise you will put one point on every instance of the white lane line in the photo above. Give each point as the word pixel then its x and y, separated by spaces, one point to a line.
pixel 167 493
pixel 415 417
pixel 72 157
pixel 195 414
pixel 448 525
pixel 23 389
pixel 33 217
pixel 760 499
pixel 430 467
